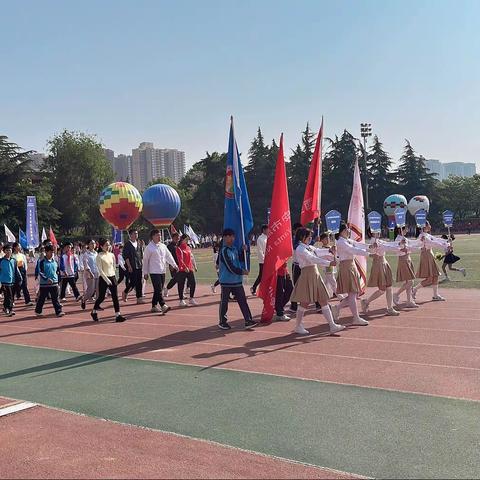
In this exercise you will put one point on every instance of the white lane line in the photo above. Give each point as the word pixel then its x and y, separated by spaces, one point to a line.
pixel 18 407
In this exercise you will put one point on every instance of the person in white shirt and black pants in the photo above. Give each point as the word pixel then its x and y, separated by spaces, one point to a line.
pixel 261 247
pixel 155 260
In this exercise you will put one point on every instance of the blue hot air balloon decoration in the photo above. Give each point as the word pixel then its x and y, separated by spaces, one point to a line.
pixel 161 205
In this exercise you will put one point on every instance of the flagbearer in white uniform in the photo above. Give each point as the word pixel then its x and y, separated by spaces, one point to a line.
pixel 348 280
pixel 381 275
pixel 428 269
pixel 310 287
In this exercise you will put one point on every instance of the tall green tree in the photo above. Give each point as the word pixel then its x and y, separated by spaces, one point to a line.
pixel 204 185
pixel 297 171
pixel 381 178
pixel 78 171
pixel 412 175
pixel 259 174
pixel 337 173
pixel 17 181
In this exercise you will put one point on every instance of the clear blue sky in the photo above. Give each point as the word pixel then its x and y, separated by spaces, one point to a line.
pixel 172 72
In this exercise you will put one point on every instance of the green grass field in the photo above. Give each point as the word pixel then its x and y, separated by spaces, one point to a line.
pixel 467 247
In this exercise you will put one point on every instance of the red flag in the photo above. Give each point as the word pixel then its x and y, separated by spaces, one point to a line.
pixel 279 243
pixel 173 229
pixel 52 238
pixel 313 190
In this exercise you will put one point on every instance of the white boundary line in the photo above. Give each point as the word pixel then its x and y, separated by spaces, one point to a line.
pixel 17 407
pixel 278 375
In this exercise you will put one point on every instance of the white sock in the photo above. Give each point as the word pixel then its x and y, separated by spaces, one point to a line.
pixel 327 313
pixel 299 317
pixel 409 286
pixel 352 303
pixel 435 289
pixel 389 295
pixel 374 296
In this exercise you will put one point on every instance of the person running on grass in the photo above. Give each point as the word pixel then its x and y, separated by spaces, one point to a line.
pixel 155 260
pixel 48 273
pixel 449 259
pixel 231 281
pixel 106 268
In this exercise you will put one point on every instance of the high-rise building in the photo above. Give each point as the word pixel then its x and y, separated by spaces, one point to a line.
pixel 123 168
pixel 149 163
pixel 443 170
pixel 110 154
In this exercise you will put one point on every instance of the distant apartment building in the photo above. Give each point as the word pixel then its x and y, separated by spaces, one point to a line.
pixel 123 168
pixel 110 154
pixel 149 163
pixel 443 170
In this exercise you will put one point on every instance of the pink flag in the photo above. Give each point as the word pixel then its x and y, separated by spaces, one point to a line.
pixel 356 222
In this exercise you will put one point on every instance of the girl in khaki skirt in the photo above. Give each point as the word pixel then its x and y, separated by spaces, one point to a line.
pixel 381 274
pixel 405 270
pixel 310 287
pixel 428 269
pixel 348 280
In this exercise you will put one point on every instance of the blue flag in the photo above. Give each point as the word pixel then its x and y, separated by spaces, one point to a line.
pixel 116 236
pixel 237 211
pixel 32 223
pixel 23 239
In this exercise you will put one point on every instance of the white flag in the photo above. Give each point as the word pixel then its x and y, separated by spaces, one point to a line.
pixel 356 222
pixel 10 236
pixel 44 234
pixel 193 235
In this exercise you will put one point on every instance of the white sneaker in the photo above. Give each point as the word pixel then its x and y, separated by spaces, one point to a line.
pixel 364 305
pixel 281 318
pixel 192 302
pixel 155 310
pixel 336 328
pixel 301 330
pixel 412 305
pixel 214 290
pixel 183 303
pixel 396 299
pixel 165 308
pixel 464 272
pixel 359 321
pixel 335 312
pixel 165 292
pixel 438 298
pixel 391 312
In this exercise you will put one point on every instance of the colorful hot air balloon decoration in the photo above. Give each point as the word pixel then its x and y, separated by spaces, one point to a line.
pixel 161 205
pixel 120 204
pixel 391 203
pixel 419 202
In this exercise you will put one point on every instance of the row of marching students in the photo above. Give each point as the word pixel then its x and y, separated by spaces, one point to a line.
pixel 310 288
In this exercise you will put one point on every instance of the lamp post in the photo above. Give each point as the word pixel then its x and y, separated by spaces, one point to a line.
pixel 365 131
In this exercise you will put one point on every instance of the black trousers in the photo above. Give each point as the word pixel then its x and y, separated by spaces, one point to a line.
pixel 158 280
pixel 23 287
pixel 259 277
pixel 73 284
pixel 102 290
pixel 282 294
pixel 134 281
pixel 188 277
pixel 173 280
pixel 296 271
pixel 239 294
pixel 122 275
pixel 48 291
pixel 8 297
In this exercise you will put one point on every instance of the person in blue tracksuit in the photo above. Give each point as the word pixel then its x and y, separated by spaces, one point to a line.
pixel 230 274
pixel 47 271
pixel 10 276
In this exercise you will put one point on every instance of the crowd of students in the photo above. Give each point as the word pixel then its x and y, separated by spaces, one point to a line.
pixel 323 269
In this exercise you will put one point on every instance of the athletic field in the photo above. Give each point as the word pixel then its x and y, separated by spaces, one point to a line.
pixel 175 397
